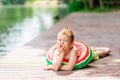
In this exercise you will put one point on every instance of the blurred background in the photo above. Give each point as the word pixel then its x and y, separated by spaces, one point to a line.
pixel 23 20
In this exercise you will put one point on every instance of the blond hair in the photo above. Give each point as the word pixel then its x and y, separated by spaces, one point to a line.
pixel 67 31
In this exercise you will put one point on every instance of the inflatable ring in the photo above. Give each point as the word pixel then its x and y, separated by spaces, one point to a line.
pixel 84 55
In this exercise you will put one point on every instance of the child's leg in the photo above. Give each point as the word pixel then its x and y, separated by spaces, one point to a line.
pixel 101 51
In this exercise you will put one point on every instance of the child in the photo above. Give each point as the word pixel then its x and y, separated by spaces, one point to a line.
pixel 65 49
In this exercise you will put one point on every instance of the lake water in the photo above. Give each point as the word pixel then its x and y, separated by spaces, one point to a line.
pixel 19 25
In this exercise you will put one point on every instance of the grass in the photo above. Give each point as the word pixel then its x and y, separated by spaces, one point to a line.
pixel 98 10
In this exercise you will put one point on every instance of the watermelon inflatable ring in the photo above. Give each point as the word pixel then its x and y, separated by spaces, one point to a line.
pixel 84 58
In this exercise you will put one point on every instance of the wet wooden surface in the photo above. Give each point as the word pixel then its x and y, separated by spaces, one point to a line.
pixel 96 29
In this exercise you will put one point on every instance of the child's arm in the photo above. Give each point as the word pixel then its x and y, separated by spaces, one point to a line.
pixel 72 61
pixel 57 64
pixel 57 60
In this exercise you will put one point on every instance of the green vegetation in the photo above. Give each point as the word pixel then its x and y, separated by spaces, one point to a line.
pixel 15 2
pixel 88 6
pixel 76 5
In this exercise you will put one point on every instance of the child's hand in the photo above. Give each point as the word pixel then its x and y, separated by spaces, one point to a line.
pixel 60 48
pixel 48 67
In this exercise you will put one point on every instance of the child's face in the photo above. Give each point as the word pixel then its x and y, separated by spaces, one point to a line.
pixel 64 40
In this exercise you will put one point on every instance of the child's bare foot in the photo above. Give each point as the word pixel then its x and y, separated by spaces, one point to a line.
pixel 101 51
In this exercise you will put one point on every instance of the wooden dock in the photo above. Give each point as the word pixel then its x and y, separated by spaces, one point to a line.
pixel 96 29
